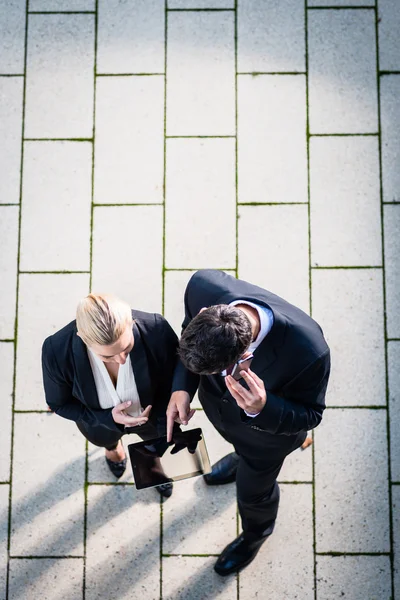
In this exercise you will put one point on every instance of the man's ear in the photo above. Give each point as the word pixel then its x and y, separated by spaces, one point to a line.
pixel 201 310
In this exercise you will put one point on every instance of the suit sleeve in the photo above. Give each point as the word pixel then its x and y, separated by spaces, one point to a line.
pixel 58 393
pixel 183 379
pixel 299 408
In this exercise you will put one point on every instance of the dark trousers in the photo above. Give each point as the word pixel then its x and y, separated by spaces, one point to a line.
pixel 105 438
pixel 261 456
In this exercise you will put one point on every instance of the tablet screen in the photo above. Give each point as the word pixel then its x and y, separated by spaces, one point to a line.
pixel 157 461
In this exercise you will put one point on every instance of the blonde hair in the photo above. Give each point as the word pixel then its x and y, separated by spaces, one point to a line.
pixel 102 319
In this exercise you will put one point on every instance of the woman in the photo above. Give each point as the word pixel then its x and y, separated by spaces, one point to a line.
pixel 110 371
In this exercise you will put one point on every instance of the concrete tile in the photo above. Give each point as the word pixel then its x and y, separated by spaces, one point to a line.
pixel 200 182
pixel 390 128
pixel 355 577
pixel 122 238
pixel 123 548
pixel 55 298
pixel 345 202
pixel 389 43
pixel 284 552
pixel 342 71
pixel 346 3
pixel 396 541
pixel 6 391
pixel 12 36
pixel 61 5
pixel 131 36
pixel 297 466
pixel 60 71
pixel 394 407
pixel 48 478
pixel 56 207
pixel 200 580
pixel 391 222
pixel 199 519
pixel 175 283
pixel 201 73
pixel 348 304
pixel 4 502
pixel 46 578
pixel 271 36
pixel 265 175
pixel 11 89
pixel 9 217
pixel 280 234
pixel 351 490
pixel 129 141
pixel 201 3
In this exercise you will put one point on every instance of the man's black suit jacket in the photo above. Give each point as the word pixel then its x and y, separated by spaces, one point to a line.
pixel 68 379
pixel 293 361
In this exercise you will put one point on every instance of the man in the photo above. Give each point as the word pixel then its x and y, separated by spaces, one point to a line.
pixel 267 413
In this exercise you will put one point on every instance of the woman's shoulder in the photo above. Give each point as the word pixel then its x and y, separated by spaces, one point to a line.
pixel 61 338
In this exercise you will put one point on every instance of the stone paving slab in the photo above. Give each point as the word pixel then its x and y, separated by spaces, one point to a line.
pixel 391 220
pixel 9 216
pixel 6 390
pixel 396 531
pixel 46 578
pixel 352 444
pixel 271 36
pixel 123 547
pixel 345 202
pixel 200 173
pixel 12 36
pixel 4 508
pixel 355 577
pixel 390 124
pixel 389 43
pixel 59 83
pixel 131 36
pixel 263 175
pixel 56 190
pixel 201 93
pixel 11 90
pixel 352 296
pixel 394 407
pixel 342 71
pixel 129 148
pixel 47 495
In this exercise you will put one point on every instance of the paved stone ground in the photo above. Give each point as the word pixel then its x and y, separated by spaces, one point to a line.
pixel 140 142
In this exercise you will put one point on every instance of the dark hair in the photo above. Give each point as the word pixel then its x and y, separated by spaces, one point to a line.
pixel 215 339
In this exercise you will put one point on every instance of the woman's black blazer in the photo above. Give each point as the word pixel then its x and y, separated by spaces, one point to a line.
pixel 68 379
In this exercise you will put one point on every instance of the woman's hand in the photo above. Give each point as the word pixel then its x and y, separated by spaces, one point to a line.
pixel 119 415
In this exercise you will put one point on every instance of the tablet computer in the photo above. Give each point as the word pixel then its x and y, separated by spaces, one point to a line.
pixel 157 461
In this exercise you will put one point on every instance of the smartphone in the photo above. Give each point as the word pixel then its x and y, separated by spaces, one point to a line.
pixel 242 365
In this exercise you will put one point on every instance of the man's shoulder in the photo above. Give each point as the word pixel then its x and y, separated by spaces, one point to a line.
pixel 62 337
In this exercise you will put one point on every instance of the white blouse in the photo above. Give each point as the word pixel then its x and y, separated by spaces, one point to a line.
pixel 126 389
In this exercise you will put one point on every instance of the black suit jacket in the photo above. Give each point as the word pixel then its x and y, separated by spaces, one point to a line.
pixel 68 379
pixel 293 360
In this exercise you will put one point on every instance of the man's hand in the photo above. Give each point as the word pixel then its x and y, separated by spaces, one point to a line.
pixel 178 411
pixel 252 400
pixel 119 415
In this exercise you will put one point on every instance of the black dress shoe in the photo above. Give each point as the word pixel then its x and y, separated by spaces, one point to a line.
pixel 116 468
pixel 238 554
pixel 224 471
pixel 165 490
